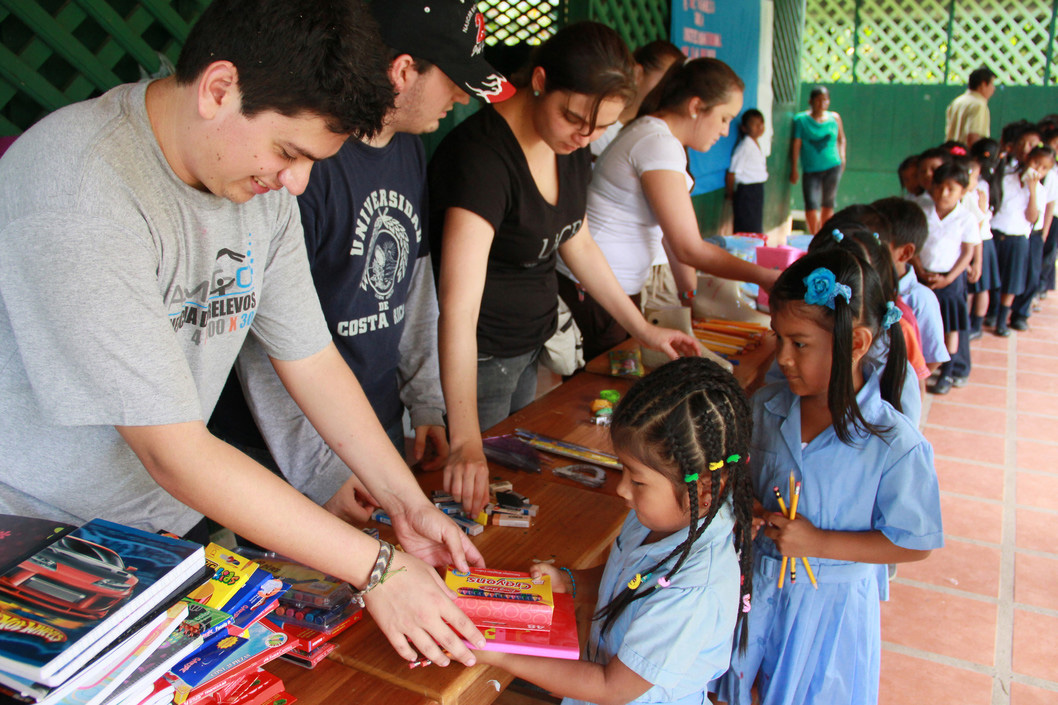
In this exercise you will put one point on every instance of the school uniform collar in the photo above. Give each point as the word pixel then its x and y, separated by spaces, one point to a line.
pixel 722 524
pixel 787 406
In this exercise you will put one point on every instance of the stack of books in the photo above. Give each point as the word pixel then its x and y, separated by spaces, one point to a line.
pixel 105 614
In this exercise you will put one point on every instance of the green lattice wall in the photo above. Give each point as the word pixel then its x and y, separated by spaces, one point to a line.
pixel 55 52
pixel 929 41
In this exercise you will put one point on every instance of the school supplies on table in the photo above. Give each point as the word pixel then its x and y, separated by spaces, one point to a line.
pixel 558 641
pixel 626 363
pixel 568 450
pixel 587 475
pixel 512 452
pixel 21 537
pixel 503 598
pixel 72 599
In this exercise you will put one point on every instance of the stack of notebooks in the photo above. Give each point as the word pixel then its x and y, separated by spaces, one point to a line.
pixel 104 614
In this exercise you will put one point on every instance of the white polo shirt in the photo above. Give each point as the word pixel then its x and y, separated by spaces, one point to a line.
pixel 946 236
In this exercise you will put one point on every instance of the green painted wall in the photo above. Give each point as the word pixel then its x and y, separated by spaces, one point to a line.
pixel 885 123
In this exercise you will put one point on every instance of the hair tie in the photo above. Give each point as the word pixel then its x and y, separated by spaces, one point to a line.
pixel 691 478
pixel 838 235
pixel 745 603
pixel 877 238
pixel 822 288
pixel 958 151
pixel 664 582
pixel 734 458
pixel 716 466
pixel 892 315
pixel 635 582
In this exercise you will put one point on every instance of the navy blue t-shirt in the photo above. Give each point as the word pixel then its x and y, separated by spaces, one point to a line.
pixel 364 219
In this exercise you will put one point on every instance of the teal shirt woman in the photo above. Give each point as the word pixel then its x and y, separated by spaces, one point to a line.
pixel 818 143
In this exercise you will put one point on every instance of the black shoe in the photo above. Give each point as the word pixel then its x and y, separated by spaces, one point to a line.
pixel 960 382
pixel 975 335
pixel 1019 324
pixel 1003 332
pixel 990 321
pixel 941 386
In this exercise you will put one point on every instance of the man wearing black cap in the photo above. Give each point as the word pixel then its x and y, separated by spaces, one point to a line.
pixel 363 216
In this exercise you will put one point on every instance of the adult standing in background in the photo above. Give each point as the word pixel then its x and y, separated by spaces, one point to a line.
pixel 967 118
pixel 818 146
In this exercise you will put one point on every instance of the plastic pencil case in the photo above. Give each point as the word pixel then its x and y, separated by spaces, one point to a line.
pixel 319 620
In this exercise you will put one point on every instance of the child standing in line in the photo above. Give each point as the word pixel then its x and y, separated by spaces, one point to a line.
pixel 1017 199
pixel 906 237
pixel 949 248
pixel 908 175
pixel 868 492
pixel 985 153
pixel 671 595
pixel 747 175
pixel 1050 227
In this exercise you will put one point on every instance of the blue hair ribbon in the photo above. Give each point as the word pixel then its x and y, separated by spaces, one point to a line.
pixel 892 315
pixel 822 288
pixel 838 235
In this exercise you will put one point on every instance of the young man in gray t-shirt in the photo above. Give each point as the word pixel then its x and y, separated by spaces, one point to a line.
pixel 143 235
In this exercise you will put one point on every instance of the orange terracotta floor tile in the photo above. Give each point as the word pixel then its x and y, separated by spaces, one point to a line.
pixel 960 565
pixel 1037 402
pixel 1038 382
pixel 1022 694
pixel 989 358
pixel 1035 530
pixel 972 518
pixel 967 444
pixel 995 376
pixel 954 413
pixel 1036 490
pixel 1037 428
pixel 1035 644
pixel 906 679
pixel 1034 347
pixel 980 395
pixel 940 623
pixel 1035 578
pixel 1032 455
pixel 1038 363
pixel 962 477
pixel 989 342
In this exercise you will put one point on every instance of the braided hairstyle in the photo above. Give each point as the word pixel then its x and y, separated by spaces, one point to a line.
pixel 682 420
pixel 867 307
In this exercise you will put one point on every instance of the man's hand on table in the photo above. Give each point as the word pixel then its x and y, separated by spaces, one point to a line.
pixel 427 533
pixel 414 605
pixel 466 477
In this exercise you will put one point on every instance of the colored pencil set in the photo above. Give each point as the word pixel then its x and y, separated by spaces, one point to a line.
pixel 791 514
pixel 728 337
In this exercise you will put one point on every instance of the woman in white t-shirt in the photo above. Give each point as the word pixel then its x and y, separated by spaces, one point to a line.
pixel 639 198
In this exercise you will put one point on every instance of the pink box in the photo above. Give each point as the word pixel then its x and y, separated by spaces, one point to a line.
pixel 779 258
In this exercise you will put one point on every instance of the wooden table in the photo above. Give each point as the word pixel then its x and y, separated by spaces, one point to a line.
pixel 575 528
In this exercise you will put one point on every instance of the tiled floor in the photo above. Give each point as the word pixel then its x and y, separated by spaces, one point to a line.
pixel 977 622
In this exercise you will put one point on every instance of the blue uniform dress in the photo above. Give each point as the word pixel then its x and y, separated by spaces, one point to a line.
pixel 823 646
pixel 679 637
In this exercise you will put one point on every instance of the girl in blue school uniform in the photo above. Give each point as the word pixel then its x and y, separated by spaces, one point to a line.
pixel 868 492
pixel 677 580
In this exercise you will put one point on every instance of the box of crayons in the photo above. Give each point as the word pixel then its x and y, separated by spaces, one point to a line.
pixel 503 598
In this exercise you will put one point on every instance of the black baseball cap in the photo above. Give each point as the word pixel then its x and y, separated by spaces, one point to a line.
pixel 447 33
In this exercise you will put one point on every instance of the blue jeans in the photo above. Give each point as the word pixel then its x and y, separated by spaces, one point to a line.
pixel 505 385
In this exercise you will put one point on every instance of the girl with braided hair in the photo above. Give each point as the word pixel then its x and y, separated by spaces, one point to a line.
pixel 671 595
pixel 868 491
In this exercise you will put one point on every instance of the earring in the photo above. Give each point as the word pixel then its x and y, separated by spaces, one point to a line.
pixel 536 94
pixel 694 116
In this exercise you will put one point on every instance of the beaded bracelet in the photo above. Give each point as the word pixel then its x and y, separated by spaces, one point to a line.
pixel 688 295
pixel 572 581
pixel 385 557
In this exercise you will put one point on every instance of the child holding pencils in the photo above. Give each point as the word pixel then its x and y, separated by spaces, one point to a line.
pixel 864 492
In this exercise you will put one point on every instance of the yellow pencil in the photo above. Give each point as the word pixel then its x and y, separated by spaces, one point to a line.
pixel 782 506
pixel 793 515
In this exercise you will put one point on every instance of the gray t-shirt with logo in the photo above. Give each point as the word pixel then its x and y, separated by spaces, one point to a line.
pixel 125 296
